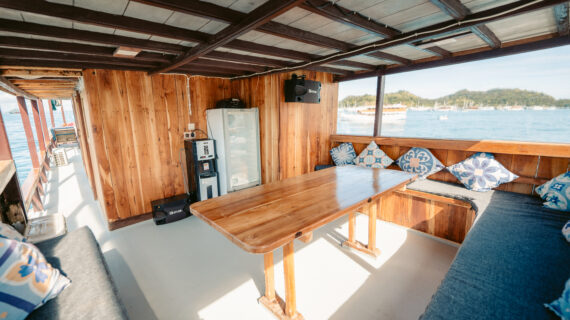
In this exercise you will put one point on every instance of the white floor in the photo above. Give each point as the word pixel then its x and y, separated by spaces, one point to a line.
pixel 187 270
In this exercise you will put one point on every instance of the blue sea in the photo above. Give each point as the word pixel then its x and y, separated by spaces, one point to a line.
pixel 524 125
pixel 17 137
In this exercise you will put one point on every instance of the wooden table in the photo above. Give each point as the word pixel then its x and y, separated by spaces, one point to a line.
pixel 265 218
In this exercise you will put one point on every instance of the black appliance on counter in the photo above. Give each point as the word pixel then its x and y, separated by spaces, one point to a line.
pixel 201 169
pixel 170 209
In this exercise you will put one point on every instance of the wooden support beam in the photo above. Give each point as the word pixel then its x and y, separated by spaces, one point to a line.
pixel 227 15
pixel 269 276
pixel 62 112
pixel 234 57
pixel 438 51
pixel 380 85
pixel 330 70
pixel 390 57
pixel 44 123
pixel 38 123
pixel 453 8
pixel 256 18
pixel 508 48
pixel 28 130
pixel 355 64
pixel 562 20
pixel 197 69
pixel 89 36
pixel 487 35
pixel 289 268
pixel 78 48
pixel 68 64
pixel 8 86
pixel 353 19
pixel 227 65
pixel 35 73
pixel 51 113
pixel 5 151
pixel 440 29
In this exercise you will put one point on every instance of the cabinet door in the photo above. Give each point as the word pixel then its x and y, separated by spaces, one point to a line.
pixel 242 149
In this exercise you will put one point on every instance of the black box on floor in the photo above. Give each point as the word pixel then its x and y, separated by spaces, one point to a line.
pixel 171 209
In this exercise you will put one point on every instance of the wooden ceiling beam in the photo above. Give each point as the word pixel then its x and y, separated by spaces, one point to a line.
pixel 336 71
pixel 103 19
pixel 439 29
pixel 88 36
pixel 226 65
pixel 487 35
pixel 269 50
pixel 355 64
pixel 438 51
pixel 508 48
pixel 72 57
pixel 562 20
pixel 189 68
pixel 254 19
pixel 458 11
pixel 211 11
pixel 390 57
pixel 8 86
pixel 67 64
pixel 234 57
pixel 78 48
pixel 38 73
pixel 43 82
pixel 353 19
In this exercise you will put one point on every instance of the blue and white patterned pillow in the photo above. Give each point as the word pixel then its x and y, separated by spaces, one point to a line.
pixel 419 161
pixel 344 154
pixel 561 306
pixel 373 157
pixel 27 281
pixel 8 232
pixel 481 172
pixel 556 192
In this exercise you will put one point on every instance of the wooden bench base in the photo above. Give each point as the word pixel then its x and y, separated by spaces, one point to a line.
pixel 277 307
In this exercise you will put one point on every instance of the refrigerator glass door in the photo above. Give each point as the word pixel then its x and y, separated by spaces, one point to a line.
pixel 242 149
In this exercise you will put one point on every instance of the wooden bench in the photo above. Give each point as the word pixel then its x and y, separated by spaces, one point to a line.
pixel 449 218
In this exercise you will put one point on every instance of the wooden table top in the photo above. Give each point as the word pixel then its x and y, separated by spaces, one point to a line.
pixel 266 217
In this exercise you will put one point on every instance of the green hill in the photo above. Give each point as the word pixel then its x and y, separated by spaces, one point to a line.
pixel 462 98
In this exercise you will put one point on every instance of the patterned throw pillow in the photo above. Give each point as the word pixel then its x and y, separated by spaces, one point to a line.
pixel 556 192
pixel 343 154
pixel 561 306
pixel 27 281
pixel 419 161
pixel 373 157
pixel 481 172
pixel 8 232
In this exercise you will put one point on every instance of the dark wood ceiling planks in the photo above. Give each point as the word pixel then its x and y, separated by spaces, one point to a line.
pixel 239 38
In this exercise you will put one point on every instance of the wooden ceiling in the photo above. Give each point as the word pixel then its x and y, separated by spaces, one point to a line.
pixel 39 82
pixel 243 38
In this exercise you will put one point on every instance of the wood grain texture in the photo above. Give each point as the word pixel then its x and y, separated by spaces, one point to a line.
pixel 264 218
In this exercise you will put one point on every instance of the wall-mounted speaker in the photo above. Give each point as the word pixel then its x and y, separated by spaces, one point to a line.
pixel 298 89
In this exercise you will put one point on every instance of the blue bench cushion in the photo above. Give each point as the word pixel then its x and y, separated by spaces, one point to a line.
pixel 91 294
pixel 513 260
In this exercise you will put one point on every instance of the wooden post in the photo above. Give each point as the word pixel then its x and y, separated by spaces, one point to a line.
pixel 269 276
pixel 372 214
pixel 379 105
pixel 351 224
pixel 5 152
pixel 28 131
pixel 289 268
pixel 44 122
pixel 62 112
pixel 38 123
pixel 51 113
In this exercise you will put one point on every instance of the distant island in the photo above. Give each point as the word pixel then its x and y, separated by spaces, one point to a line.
pixel 497 98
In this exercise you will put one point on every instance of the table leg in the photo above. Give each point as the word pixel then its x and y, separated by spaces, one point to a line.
pixel 369 249
pixel 285 310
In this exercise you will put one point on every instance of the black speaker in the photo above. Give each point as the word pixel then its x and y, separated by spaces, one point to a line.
pixel 301 90
pixel 171 209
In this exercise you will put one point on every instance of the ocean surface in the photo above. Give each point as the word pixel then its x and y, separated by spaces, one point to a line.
pixel 17 137
pixel 524 125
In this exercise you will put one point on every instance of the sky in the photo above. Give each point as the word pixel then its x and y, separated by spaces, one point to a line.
pixel 546 71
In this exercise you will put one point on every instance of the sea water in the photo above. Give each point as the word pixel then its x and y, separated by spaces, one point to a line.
pixel 17 136
pixel 523 125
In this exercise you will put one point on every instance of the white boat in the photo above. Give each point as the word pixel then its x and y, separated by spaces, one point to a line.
pixel 391 113
pixel 443 117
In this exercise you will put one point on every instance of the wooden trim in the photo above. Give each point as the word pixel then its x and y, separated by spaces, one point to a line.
pixel 5 151
pixel 28 130
pixel 14 90
pixel 561 150
pixel 114 225
pixel 38 123
pixel 433 197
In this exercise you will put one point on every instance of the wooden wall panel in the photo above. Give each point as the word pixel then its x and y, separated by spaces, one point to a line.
pixel 136 123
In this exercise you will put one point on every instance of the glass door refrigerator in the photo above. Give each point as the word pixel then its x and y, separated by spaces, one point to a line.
pixel 236 132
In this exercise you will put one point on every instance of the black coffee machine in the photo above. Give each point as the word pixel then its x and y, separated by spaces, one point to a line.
pixel 202 175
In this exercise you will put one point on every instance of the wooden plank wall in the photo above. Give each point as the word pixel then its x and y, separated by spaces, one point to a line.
pixel 301 130
pixel 135 125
